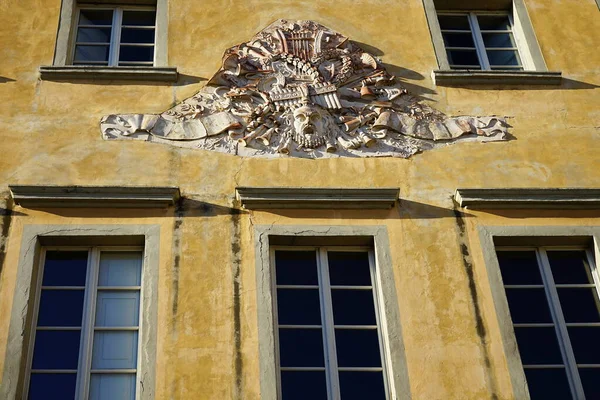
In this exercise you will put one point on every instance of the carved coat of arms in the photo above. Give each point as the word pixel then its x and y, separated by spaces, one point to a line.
pixel 300 89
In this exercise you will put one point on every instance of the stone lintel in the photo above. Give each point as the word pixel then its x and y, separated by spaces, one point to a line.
pixel 554 198
pixel 255 198
pixel 40 196
pixel 478 77
pixel 85 72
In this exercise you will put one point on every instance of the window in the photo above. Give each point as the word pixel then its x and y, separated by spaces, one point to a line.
pixel 552 295
pixel 86 325
pixel 115 36
pixel 327 324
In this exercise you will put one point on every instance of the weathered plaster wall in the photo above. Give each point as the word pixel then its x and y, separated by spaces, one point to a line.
pixel 207 334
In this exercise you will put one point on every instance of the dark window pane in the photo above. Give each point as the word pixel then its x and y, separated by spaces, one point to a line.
pixel 298 307
pixel 458 40
pixel 463 57
pixel 503 57
pixel 52 386
pixel 353 307
pixel 129 35
pixel 362 385
pixel 65 268
pixel 94 35
pixel 349 268
pixel 579 304
pixel 569 267
pixel 61 308
pixel 546 384
pixel 493 22
pixel 528 305
pixel 95 17
pixel 303 385
pixel 590 379
pixel 538 346
pixel 498 40
pixel 585 343
pixel 56 350
pixel 136 53
pixel 139 18
pixel 357 348
pixel 454 22
pixel 301 348
pixel 296 268
pixel 91 53
pixel 519 268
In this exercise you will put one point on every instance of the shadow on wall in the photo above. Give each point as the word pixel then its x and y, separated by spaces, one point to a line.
pixel 4 79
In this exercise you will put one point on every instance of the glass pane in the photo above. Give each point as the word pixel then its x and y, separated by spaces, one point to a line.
pixel 112 387
pixel 493 22
pixel 498 40
pixel 301 348
pixel 303 385
pixel 519 268
pixel 454 22
pixel 95 17
pixel 129 35
pixel 296 268
pixel 579 304
pixel 52 386
pixel 61 308
pixel 590 379
pixel 120 268
pixel 503 57
pixel 463 57
pixel 357 348
pixel 114 350
pixel 538 346
pixel 94 35
pixel 362 385
pixel 458 39
pixel 569 267
pixel 91 53
pixel 585 343
pixel 65 268
pixel 298 307
pixel 545 384
pixel 353 307
pixel 56 350
pixel 349 268
pixel 117 308
pixel 528 305
pixel 139 18
pixel 136 53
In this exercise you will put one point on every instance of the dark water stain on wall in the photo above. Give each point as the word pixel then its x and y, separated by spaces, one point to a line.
pixel 5 220
pixel 236 261
pixel 176 248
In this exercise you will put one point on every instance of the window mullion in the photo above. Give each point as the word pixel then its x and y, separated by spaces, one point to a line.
pixel 561 328
pixel 479 44
pixel 328 327
pixel 115 38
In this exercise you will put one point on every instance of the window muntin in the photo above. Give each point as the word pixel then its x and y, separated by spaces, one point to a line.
pixel 480 41
pixel 329 335
pixel 89 348
pixel 115 36
pixel 552 295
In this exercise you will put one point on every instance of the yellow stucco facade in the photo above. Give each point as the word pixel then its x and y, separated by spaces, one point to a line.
pixel 207 333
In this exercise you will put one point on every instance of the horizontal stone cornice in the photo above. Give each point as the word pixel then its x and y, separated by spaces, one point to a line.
pixel 553 198
pixel 478 77
pixel 85 72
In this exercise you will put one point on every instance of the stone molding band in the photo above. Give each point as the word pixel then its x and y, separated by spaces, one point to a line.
pixel 88 72
pixel 553 198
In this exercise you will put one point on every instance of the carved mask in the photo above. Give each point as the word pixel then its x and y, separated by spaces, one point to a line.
pixel 309 126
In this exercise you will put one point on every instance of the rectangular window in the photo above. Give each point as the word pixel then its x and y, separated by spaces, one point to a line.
pixel 327 324
pixel 86 325
pixel 479 40
pixel 552 295
pixel 115 36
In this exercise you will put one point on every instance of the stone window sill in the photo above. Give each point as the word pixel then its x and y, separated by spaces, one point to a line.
pixel 87 72
pixel 478 77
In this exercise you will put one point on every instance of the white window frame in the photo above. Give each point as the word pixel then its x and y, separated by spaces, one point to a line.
pixel 327 324
pixel 84 368
pixel 558 319
pixel 115 36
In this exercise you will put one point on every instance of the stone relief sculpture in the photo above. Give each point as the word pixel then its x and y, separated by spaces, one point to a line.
pixel 299 89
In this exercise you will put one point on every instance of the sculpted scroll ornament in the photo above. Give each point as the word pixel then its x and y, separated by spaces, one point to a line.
pixel 299 89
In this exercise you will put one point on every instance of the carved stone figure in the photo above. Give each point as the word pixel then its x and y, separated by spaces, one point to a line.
pixel 300 89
